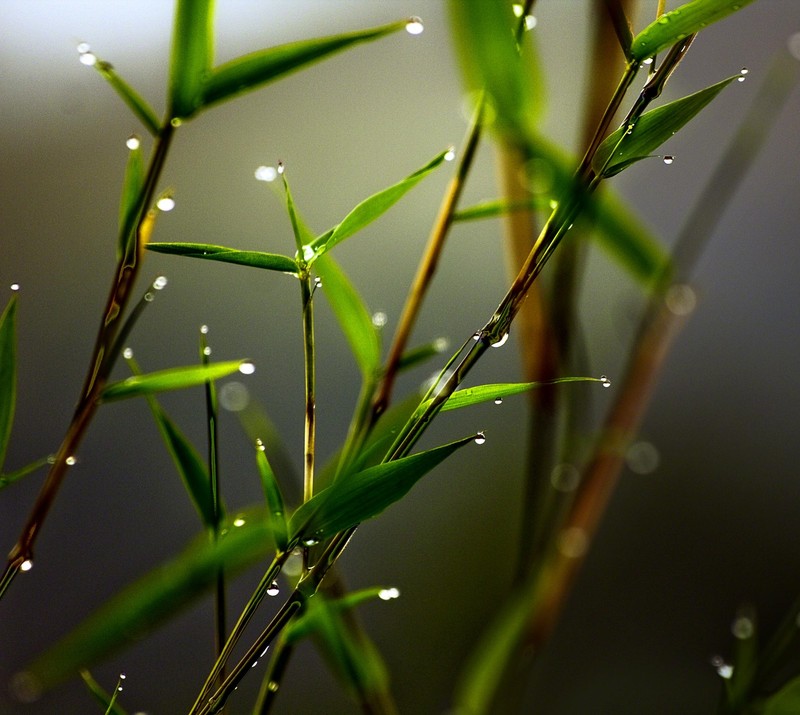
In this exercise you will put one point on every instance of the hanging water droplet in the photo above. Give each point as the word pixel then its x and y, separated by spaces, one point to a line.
pixel 744 70
pixel 743 628
pixel 450 154
pixel 160 283
pixel 317 282
pixel 294 564
pixel 642 458
pixel 206 350
pixel 26 565
pixel 239 521
pixel 133 142
pixel 517 9
pixel 668 159
pixel 680 299
pixel 741 78
pixel 648 61
pixel 234 396
pixel 15 286
pixel 281 167
pixel 793 44
pixel 724 670
pixel 83 48
pixel 247 368
pixel 565 478
pixel 165 203
pixel 127 353
pixel 70 461
pixel 498 400
pixel 530 22
pixel 260 445
pixel 414 26
pixel 379 319
pixel 204 329
pixel 88 58
pixel 387 594
pixel 122 676
pixel 604 381
pixel 476 335
pixel 480 438
pixel 310 541
pixel 273 589
pixel 266 173
pixel 501 341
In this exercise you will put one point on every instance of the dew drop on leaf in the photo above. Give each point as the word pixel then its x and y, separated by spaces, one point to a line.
pixel 387 594
pixel 83 48
pixel 14 286
pixel 668 159
pixel 247 368
pixel 501 341
pixel 414 26
pixel 127 353
pixel 70 461
pixel 480 438
pixel 26 565
pixel 160 283
pixel 604 381
pixel 133 142
pixel 498 400
pixel 273 589
pixel 88 59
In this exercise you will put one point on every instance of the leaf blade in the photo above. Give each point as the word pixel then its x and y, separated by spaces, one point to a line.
pixel 135 102
pixel 211 252
pixel 8 374
pixel 191 56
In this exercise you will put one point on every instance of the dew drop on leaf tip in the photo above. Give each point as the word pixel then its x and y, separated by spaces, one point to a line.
pixel 480 438
pixel 133 142
pixel 83 48
pixel 15 286
pixel 160 283
pixel 206 351
pixel 127 353
pixel 26 565
pixel 498 400
pixel 501 341
pixel 387 594
pixel 414 26
pixel 604 381
pixel 165 203
pixel 668 159
pixel 450 154
pixel 247 368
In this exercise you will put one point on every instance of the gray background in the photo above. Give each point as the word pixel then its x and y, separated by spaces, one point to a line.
pixel 713 526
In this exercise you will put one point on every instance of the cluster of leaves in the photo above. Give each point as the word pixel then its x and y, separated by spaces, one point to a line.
pixel 375 466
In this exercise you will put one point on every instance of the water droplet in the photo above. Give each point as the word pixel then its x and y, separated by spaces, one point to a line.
pixel 88 59
pixel 281 167
pixel 26 565
pixel 206 351
pixel 741 78
pixel 794 45
pixel 273 589
pixel 165 203
pixel 176 122
pixel 744 70
pixel 149 296
pixel 239 521
pixel 308 253
pixel 530 22
pixel 294 564
pixel 680 299
pixel 119 688
pixel 565 478
pixel 414 26
pixel 15 286
pixel 83 48
pixel 70 461
pixel 441 344
pixel 629 129
pixel 501 341
pixel 127 353
pixel 743 628
pixel 648 61
pixel 387 594
pixel 604 381
pixel 247 368
pixel 450 154
pixel 310 541
pixel 379 319
pixel 260 445
pixel 480 438
pixel 51 459
pixel 498 400
pixel 573 542
pixel 317 282
pixel 122 676
pixel 160 283
pixel 668 159
pixel 266 173
pixel 204 329
pixel 517 9
pixel 642 458
pixel 476 335
pixel 724 670
pixel 273 686
pixel 133 142
pixel 234 396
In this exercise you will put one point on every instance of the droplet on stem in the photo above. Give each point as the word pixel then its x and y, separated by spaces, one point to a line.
pixel 70 461
pixel 26 565
pixel 160 283
pixel 204 329
pixel 127 353
pixel 83 48
pixel 273 589
pixel 450 154
pixel 88 58
pixel 387 594
pixel 414 26
pixel 207 350
pixel 501 341
pixel 680 299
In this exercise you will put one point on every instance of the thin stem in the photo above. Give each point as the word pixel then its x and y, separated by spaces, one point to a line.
pixel 99 368
pixel 270 686
pixel 310 392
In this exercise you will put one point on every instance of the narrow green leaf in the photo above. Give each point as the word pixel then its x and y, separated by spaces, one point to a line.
pixel 357 497
pixel 501 207
pixel 11 477
pixel 352 656
pixel 255 259
pixel 302 233
pixel 253 70
pixel 191 57
pixel 370 209
pixel 486 393
pixel 176 378
pixel 673 26
pixel 109 702
pixel 786 701
pixel 132 186
pixel 8 374
pixel 421 353
pixel 653 128
pixel 154 598
pixel 273 496
pixel 351 313
pixel 136 103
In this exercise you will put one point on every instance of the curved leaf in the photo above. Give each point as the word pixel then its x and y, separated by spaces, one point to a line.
pixel 8 374
pixel 255 259
pixel 651 130
pixel 176 378
pixel 357 497
pixel 353 316
pixel 673 26
pixel 273 496
pixel 786 701
pixel 250 71
pixel 132 186
pixel 191 57
pixel 373 207
pixel 136 103
pixel 146 603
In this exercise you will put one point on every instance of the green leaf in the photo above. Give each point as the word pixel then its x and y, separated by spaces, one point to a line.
pixel 101 696
pixel 253 70
pixel 354 498
pixel 493 62
pixel 176 378
pixel 273 496
pixel 191 57
pixel 370 209
pixel 143 111
pixel 353 657
pixel 620 149
pixel 154 598
pixel 353 316
pixel 501 207
pixel 673 26
pixel 487 393
pixel 8 374
pixel 421 353
pixel 11 477
pixel 132 187
pixel 786 701
pixel 255 259
pixel 302 233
